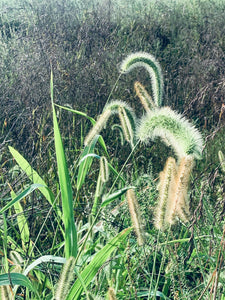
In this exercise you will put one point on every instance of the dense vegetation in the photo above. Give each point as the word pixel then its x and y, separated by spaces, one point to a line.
pixel 51 174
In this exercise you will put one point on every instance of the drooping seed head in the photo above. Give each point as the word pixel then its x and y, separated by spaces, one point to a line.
pixel 178 203
pixel 173 129
pixel 167 177
pixel 146 60
pixel 135 216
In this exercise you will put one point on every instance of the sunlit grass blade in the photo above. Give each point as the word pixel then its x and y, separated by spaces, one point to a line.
pixel 109 198
pixel 44 259
pixel 16 279
pixel 96 263
pixel 85 162
pixel 65 187
pixel 23 194
pixel 33 176
pixel 101 141
pixel 22 224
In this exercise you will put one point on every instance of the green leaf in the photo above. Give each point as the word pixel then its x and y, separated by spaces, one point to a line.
pixel 65 187
pixel 22 224
pixel 33 176
pixel 109 198
pixel 101 141
pixel 99 259
pixel 16 279
pixel 85 164
pixel 44 259
pixel 25 193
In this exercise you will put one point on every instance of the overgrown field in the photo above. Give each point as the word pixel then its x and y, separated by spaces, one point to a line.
pixel 111 149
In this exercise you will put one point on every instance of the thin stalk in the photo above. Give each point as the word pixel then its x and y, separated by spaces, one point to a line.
pixel 162 261
pixel 123 167
pixel 113 88
pixel 154 263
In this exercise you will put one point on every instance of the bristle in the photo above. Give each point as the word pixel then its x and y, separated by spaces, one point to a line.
pixel 173 129
pixel 126 126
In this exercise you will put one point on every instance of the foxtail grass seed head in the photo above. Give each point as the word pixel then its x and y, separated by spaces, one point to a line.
pixel 178 203
pixel 104 169
pixel 111 294
pixel 222 160
pixel 167 177
pixel 146 60
pixel 66 277
pixel 145 98
pixel 135 216
pixel 98 126
pixel 173 129
pixel 126 126
pixel 6 294
pixel 110 109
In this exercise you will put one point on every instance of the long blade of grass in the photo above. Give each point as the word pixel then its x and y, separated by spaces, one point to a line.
pixel 44 259
pixel 85 164
pixel 109 198
pixel 25 193
pixel 65 187
pixel 100 258
pixel 78 113
pixel 16 279
pixel 101 141
pixel 33 175
pixel 22 224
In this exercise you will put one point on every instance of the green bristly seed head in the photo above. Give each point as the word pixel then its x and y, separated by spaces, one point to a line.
pixel 110 109
pixel 173 129
pixel 142 59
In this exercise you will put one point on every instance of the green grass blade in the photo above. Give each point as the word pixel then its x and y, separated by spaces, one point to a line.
pixel 78 113
pixel 101 141
pixel 85 164
pixel 109 198
pixel 25 193
pixel 100 258
pixel 44 259
pixel 22 224
pixel 65 187
pixel 33 176
pixel 15 279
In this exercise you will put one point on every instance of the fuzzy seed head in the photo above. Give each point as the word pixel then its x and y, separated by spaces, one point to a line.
pixel 67 275
pixel 173 129
pixel 98 126
pixel 145 98
pixel 111 294
pixel 104 169
pixel 146 60
pixel 135 216
pixel 167 177
pixel 222 160
pixel 178 203
pixel 126 126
